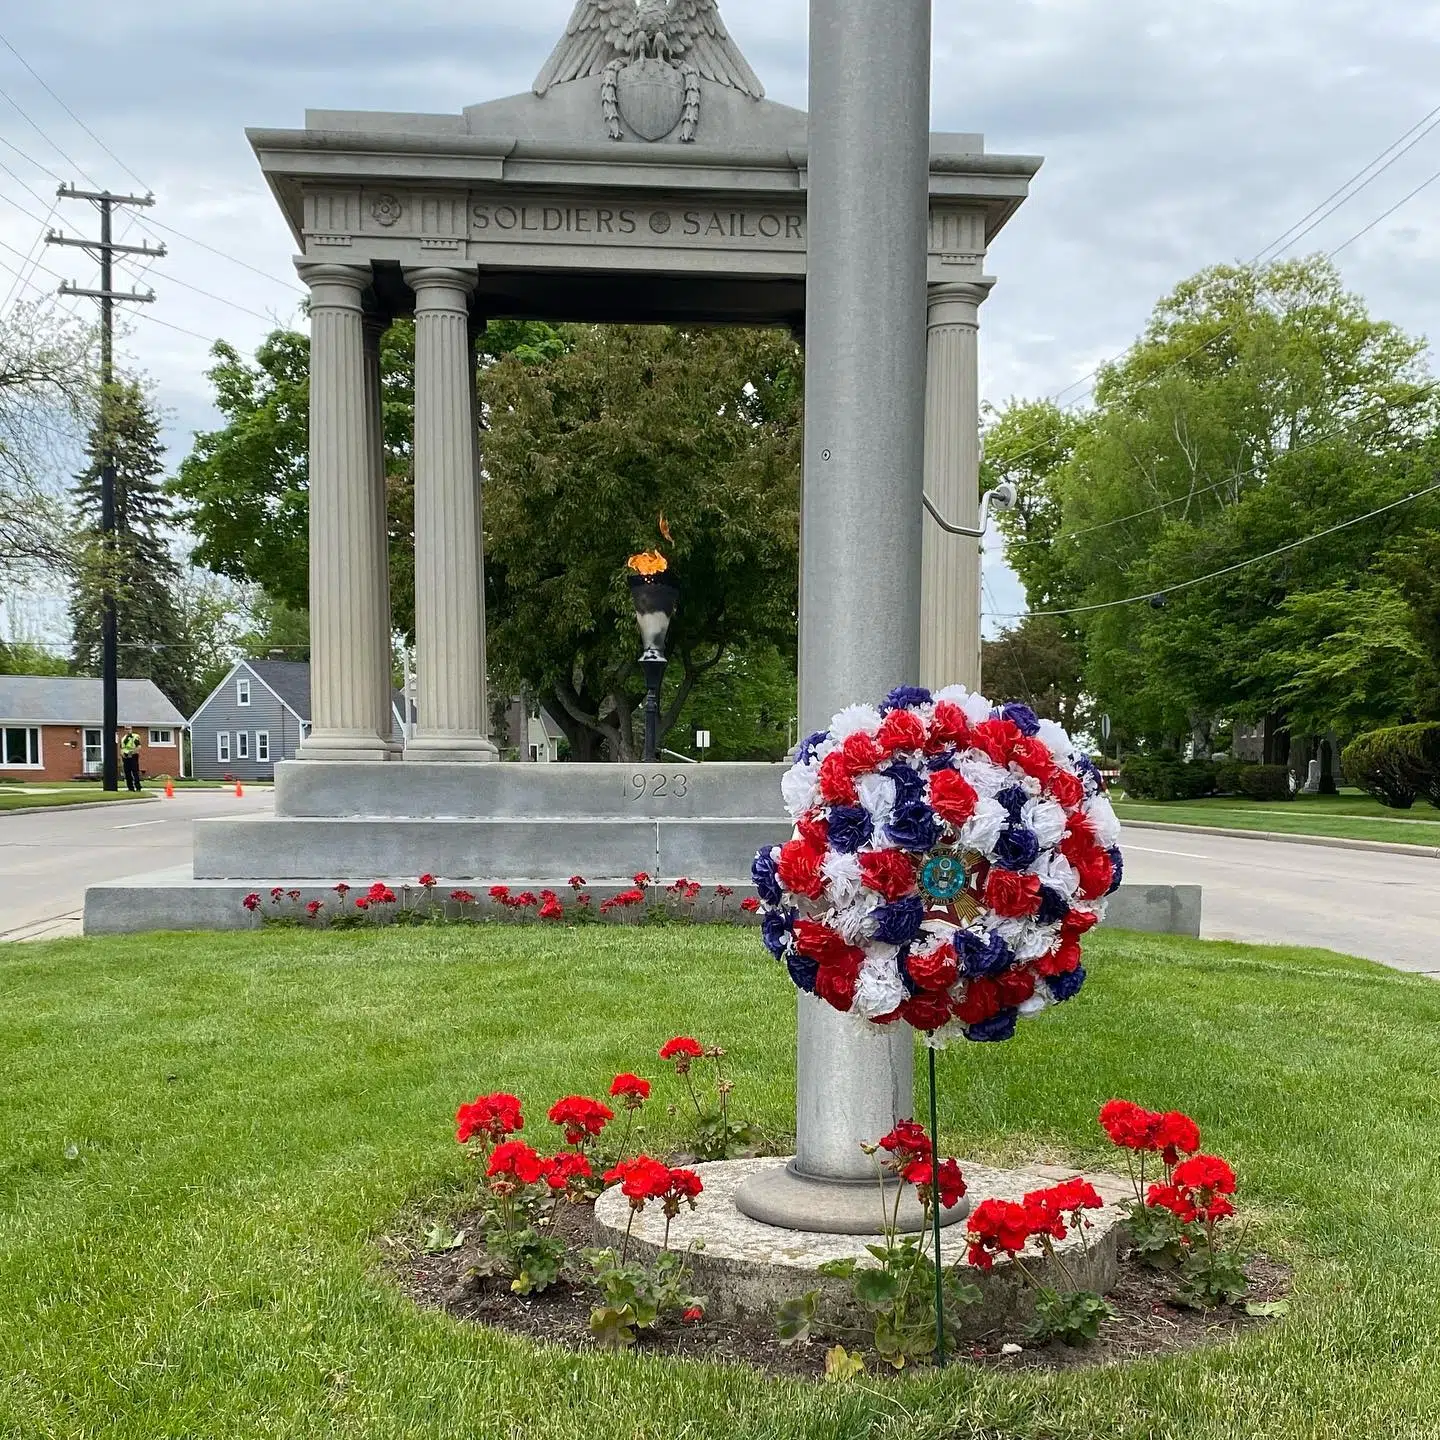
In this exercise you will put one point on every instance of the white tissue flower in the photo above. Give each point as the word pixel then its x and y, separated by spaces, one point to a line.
pixel 1057 872
pixel 1103 821
pixel 1046 820
pixel 982 829
pixel 850 920
pixel 799 790
pixel 877 795
pixel 955 694
pixel 976 708
pixel 854 720
pixel 879 990
pixel 842 875
pixel 1055 739
pixel 985 777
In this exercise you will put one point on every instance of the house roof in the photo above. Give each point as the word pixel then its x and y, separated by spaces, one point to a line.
pixel 289 679
pixel 78 700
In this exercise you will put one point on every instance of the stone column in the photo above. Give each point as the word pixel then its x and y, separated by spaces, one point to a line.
pixel 950 564
pixel 860 533
pixel 375 328
pixel 449 550
pixel 349 607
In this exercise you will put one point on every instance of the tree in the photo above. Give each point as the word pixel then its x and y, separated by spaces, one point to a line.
pixel 1261 406
pixel 21 657
pixel 587 449
pixel 1037 663
pixel 139 568
pixel 46 391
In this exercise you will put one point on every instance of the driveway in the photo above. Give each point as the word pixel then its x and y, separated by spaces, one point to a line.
pixel 1380 906
pixel 48 857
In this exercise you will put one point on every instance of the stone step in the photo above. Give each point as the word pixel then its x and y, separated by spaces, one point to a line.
pixel 506 850
pixel 409 789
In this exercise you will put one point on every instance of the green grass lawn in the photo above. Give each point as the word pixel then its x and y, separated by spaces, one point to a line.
pixel 1350 816
pixel 32 799
pixel 247 1112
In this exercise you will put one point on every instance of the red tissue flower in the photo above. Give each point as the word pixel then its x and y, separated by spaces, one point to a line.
pixel 996 738
pixel 1011 894
pixel 1034 757
pixel 813 830
pixel 837 784
pixel 1097 873
pixel 1016 986
pixel 493 1116
pixel 890 873
pixel 1061 960
pixel 981 1002
pixel 799 869
pixel 1067 788
pixel 515 1160
pixel 862 753
pixel 822 944
pixel 631 1089
pixel 948 726
pixel 936 971
pixel 925 1012
pixel 952 796
pixel 901 730
pixel 835 985
pixel 580 1117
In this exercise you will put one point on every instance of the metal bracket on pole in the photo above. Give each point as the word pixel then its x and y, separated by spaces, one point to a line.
pixel 1002 497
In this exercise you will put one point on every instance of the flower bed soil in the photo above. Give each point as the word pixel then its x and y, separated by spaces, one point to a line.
pixel 1145 1323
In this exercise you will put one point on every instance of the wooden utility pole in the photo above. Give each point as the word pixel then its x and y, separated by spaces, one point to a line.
pixel 105 249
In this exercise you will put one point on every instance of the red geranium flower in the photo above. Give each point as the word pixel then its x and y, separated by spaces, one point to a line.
pixel 724 892
pixel 750 905
pixel 362 903
pixel 500 892
pixel 683 1050
pixel 515 1160
pixel 462 897
pixel 682 1187
pixel 997 1225
pixel 566 1170
pixel 493 1116
pixel 252 901
pixel 952 796
pixel 921 1175
pixel 576 882
pixel 428 881
pixel 1176 1134
pixel 1069 1197
pixel 1174 1198
pixel 1129 1125
pixel 314 908
pixel 631 1089
pixel 907 1143
pixel 552 909
pixel 640 1179
pixel 342 889
pixel 1206 1172
pixel 276 892
pixel 692 1316
pixel 581 1118
pixel 890 873
pixel 641 878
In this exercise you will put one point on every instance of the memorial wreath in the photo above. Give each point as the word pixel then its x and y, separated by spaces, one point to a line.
pixel 947 857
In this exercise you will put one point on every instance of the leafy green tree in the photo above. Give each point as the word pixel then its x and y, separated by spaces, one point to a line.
pixel 1037 663
pixel 1261 406
pixel 21 657
pixel 587 449
pixel 139 568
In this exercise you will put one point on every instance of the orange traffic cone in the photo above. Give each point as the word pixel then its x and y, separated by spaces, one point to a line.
pixel 239 791
pixel 169 788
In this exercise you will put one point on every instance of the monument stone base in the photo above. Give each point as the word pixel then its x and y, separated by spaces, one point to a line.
pixel 745 1268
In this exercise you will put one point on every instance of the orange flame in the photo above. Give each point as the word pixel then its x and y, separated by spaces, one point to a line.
pixel 665 528
pixel 651 562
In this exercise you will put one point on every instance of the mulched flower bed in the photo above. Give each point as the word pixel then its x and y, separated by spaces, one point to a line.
pixel 1145 1323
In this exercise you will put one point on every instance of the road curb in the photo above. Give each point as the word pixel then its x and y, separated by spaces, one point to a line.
pixel 81 805
pixel 1329 842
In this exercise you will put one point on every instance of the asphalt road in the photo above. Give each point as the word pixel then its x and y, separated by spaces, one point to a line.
pixel 48 857
pixel 1360 902
pixel 1384 907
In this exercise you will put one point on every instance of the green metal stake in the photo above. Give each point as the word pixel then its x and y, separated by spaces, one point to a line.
pixel 935 1219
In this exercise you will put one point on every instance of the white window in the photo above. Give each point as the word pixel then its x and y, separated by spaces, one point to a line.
pixel 242 744
pixel 262 745
pixel 21 747
pixel 242 690
pixel 222 746
pixel 163 737
pixel 94 752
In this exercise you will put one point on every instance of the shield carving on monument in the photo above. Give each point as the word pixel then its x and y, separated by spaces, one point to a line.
pixel 651 96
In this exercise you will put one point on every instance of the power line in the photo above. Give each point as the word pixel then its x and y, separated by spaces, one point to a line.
pixel 6 43
pixel 25 116
pixel 1404 200
pixel 1230 569
pixel 36 163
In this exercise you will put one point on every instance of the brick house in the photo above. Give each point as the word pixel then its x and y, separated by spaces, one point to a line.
pixel 50 727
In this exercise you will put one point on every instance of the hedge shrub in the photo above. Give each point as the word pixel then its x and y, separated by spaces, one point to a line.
pixel 1227 775
pixel 1265 782
pixel 1396 764
pixel 1166 777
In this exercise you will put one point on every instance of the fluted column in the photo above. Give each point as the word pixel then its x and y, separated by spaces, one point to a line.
pixel 349 606
pixel 375 328
pixel 950 564
pixel 449 552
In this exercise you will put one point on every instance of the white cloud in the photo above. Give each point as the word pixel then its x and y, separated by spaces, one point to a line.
pixel 1175 135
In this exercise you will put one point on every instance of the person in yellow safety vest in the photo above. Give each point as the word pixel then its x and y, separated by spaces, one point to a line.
pixel 130 754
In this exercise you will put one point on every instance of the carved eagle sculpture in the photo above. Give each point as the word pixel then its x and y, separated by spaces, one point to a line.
pixel 686 37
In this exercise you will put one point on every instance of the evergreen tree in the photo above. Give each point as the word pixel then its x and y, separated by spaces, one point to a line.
pixel 154 642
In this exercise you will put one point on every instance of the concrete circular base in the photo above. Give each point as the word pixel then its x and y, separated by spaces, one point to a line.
pixel 745 1268
pixel 785 1197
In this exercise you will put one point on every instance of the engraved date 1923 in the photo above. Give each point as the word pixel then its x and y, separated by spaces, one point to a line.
pixel 657 786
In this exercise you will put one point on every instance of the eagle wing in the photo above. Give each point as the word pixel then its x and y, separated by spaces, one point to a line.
pixel 598 32
pixel 697 33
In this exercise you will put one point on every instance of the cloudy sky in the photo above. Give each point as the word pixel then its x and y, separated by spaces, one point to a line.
pixel 1176 133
